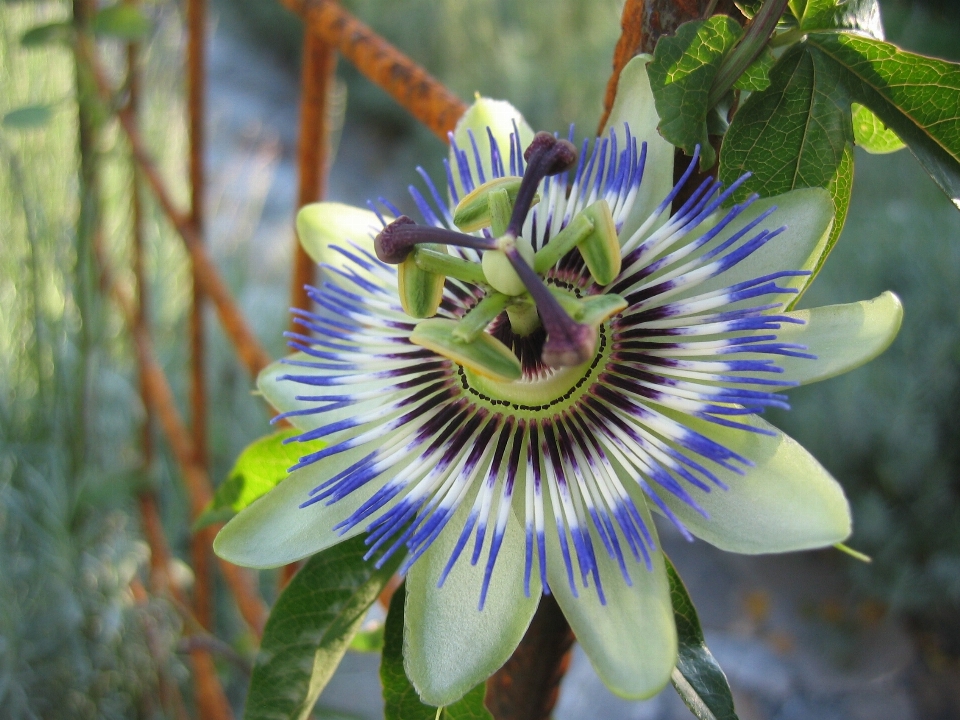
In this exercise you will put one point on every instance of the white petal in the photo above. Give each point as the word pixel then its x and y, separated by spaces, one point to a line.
pixel 787 501
pixel 275 530
pixel 282 394
pixel 843 337
pixel 634 105
pixel 632 640
pixel 499 116
pixel 808 217
pixel 449 645
pixel 320 225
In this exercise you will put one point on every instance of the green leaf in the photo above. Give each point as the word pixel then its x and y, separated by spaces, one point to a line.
pixel 757 76
pixel 400 699
pixel 840 188
pixel 861 16
pixel 259 469
pixel 123 21
pixel 28 116
pixel 917 97
pixel 871 134
pixel 793 134
pixel 697 678
pixel 310 629
pixel 797 133
pixel 681 75
pixel 46 34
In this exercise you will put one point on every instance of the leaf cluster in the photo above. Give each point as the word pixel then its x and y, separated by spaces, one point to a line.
pixel 793 120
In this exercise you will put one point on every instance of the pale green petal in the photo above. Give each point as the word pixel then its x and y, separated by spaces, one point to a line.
pixel 632 640
pixel 499 116
pixel 282 394
pixel 449 645
pixel 634 105
pixel 808 217
pixel 843 337
pixel 323 224
pixel 787 501
pixel 275 530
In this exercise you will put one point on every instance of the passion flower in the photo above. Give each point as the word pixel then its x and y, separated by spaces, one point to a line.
pixel 508 388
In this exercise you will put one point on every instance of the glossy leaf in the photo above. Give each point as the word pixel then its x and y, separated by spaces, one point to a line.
pixel 259 468
pixel 400 699
pixel 28 116
pixel 124 22
pixel 861 16
pixel 871 134
pixel 757 76
pixel 917 97
pixel 697 678
pixel 310 628
pixel 797 133
pixel 794 133
pixel 682 72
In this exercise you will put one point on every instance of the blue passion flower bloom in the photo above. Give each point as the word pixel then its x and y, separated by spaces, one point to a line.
pixel 508 388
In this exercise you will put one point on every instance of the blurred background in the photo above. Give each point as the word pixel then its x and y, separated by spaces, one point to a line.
pixel 816 635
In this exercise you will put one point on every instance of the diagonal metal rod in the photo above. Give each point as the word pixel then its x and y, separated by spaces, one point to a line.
pixel 418 92
pixel 248 347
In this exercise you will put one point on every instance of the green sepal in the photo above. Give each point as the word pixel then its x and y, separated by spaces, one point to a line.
pixel 473 211
pixel 420 290
pixel 486 355
pixel 400 699
pixel 698 679
pixel 311 627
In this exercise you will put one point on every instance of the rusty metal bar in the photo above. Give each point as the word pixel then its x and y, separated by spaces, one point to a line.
pixel 422 95
pixel 316 77
pixel 251 353
pixel 196 481
pixel 200 554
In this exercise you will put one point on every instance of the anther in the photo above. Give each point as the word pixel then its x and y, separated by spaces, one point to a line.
pixel 546 155
pixel 396 241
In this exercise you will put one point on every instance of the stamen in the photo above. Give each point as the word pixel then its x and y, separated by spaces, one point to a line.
pixel 569 343
pixel 546 155
pixel 396 240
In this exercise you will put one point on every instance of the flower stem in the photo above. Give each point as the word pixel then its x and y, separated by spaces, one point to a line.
pixel 748 50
